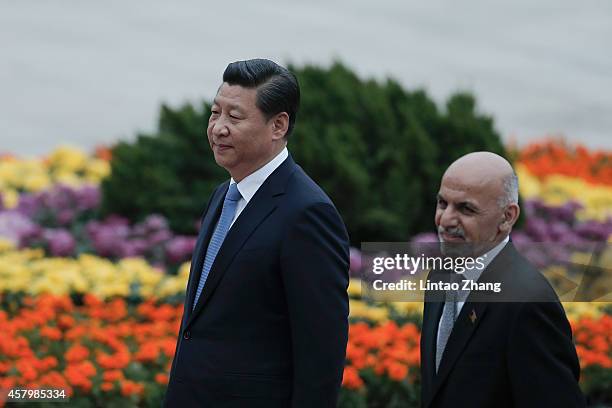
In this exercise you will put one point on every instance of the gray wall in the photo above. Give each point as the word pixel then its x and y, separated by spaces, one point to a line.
pixel 92 72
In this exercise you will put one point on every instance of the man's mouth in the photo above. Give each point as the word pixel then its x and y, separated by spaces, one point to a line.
pixel 221 146
pixel 446 237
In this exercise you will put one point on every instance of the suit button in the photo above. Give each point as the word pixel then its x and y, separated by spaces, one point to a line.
pixel 187 335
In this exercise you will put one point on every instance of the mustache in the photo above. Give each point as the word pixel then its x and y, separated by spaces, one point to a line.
pixel 453 231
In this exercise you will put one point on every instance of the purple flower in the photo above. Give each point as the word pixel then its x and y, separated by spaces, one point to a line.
pixel 520 239
pixel 15 226
pixel 180 248
pixel 159 237
pixel 155 222
pixel 88 198
pixel 558 230
pixel 537 229
pixel 108 236
pixel 135 247
pixel 60 205
pixel 355 261
pixel 60 242
pixel 65 217
pixel 29 204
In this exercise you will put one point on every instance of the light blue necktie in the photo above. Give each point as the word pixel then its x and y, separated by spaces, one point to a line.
pixel 225 221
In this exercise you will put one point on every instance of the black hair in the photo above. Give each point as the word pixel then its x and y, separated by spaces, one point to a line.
pixel 277 88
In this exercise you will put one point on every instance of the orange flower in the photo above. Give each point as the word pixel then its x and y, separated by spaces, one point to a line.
pixel 5 366
pixel 104 153
pixel 557 157
pixel 53 379
pixel 115 361
pixel 131 388
pixel 351 378
pixel 52 333
pixel 65 321
pixel 7 382
pixel 356 355
pixel 161 378
pixel 76 353
pixel 28 373
pixel 113 375
pixel 397 371
pixel 92 301
pixel 79 374
pixel 46 363
pixel 76 333
pixel 107 386
pixel 147 352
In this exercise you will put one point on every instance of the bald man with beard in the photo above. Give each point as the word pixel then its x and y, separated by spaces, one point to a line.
pixel 478 349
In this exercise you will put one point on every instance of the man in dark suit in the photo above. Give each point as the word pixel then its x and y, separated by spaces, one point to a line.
pixel 511 348
pixel 265 321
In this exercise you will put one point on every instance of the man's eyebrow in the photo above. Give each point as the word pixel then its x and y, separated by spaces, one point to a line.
pixel 230 106
pixel 234 107
pixel 470 204
pixel 466 203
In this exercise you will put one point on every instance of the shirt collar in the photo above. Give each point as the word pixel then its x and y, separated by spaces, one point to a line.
pixel 474 273
pixel 249 185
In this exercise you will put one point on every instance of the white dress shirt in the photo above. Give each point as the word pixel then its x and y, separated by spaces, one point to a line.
pixel 474 274
pixel 249 185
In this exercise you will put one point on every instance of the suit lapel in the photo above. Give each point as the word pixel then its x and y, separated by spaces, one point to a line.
pixel 431 318
pixel 430 329
pixel 197 259
pixel 262 204
pixel 465 327
pixel 463 330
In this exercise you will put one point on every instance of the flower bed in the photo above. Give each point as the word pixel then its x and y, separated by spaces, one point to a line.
pixel 93 305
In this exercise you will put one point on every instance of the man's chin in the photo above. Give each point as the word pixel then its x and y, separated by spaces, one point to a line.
pixel 456 248
pixel 223 161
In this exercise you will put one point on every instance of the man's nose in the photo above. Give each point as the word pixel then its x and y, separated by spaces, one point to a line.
pixel 448 218
pixel 219 128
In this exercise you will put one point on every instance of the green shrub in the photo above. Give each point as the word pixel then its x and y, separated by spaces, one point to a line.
pixel 378 151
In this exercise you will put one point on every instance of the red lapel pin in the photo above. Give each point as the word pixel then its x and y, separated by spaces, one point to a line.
pixel 473 316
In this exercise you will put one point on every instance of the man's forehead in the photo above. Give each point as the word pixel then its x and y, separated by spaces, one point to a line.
pixel 468 190
pixel 228 102
pixel 466 182
pixel 458 194
pixel 235 95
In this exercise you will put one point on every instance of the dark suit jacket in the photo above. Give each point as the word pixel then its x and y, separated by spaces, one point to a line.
pixel 513 354
pixel 271 326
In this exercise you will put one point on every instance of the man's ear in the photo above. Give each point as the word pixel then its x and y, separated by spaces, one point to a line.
pixel 511 214
pixel 280 125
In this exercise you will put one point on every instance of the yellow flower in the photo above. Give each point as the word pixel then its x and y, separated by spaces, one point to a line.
pixel 408 307
pixel 96 170
pixel 10 198
pixel 354 288
pixel 184 269
pixel 66 158
pixel 6 245
pixel 67 178
pixel 529 186
pixel 359 309
pixel 28 270
pixel 36 182
pixel 558 189
pixel 576 310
